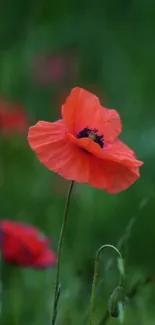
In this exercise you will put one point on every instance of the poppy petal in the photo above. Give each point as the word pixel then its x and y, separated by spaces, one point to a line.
pixel 76 167
pixel 7 226
pixel 48 141
pixel 119 151
pixel 32 245
pixel 45 260
pixel 46 132
pixel 103 174
pixel 17 228
pixel 83 109
pixel 26 236
pixel 56 151
pixel 116 151
pixel 111 176
pixel 10 248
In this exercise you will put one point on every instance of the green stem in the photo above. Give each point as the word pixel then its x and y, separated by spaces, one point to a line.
pixel 96 272
pixel 57 285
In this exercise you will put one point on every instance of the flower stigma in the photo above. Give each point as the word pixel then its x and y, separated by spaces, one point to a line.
pixel 92 134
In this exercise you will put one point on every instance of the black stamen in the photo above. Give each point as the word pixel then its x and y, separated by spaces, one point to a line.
pixel 92 134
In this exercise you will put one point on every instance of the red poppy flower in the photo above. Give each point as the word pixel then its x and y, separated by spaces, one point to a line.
pixel 12 119
pixel 25 246
pixel 83 145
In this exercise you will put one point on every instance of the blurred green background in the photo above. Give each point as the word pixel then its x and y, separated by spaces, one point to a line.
pixel 107 47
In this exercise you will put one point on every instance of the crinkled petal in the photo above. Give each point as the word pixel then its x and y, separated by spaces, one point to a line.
pixel 116 151
pixel 76 166
pixel 122 153
pixel 46 132
pixel 111 176
pixel 49 143
pixel 55 150
pixel 82 109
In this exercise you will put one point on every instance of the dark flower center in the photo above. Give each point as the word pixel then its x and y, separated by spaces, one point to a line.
pixel 92 134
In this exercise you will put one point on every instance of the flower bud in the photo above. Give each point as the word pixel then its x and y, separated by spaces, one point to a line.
pixel 116 298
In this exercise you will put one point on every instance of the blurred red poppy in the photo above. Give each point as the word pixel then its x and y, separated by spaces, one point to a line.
pixel 12 119
pixel 83 146
pixel 55 68
pixel 25 246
